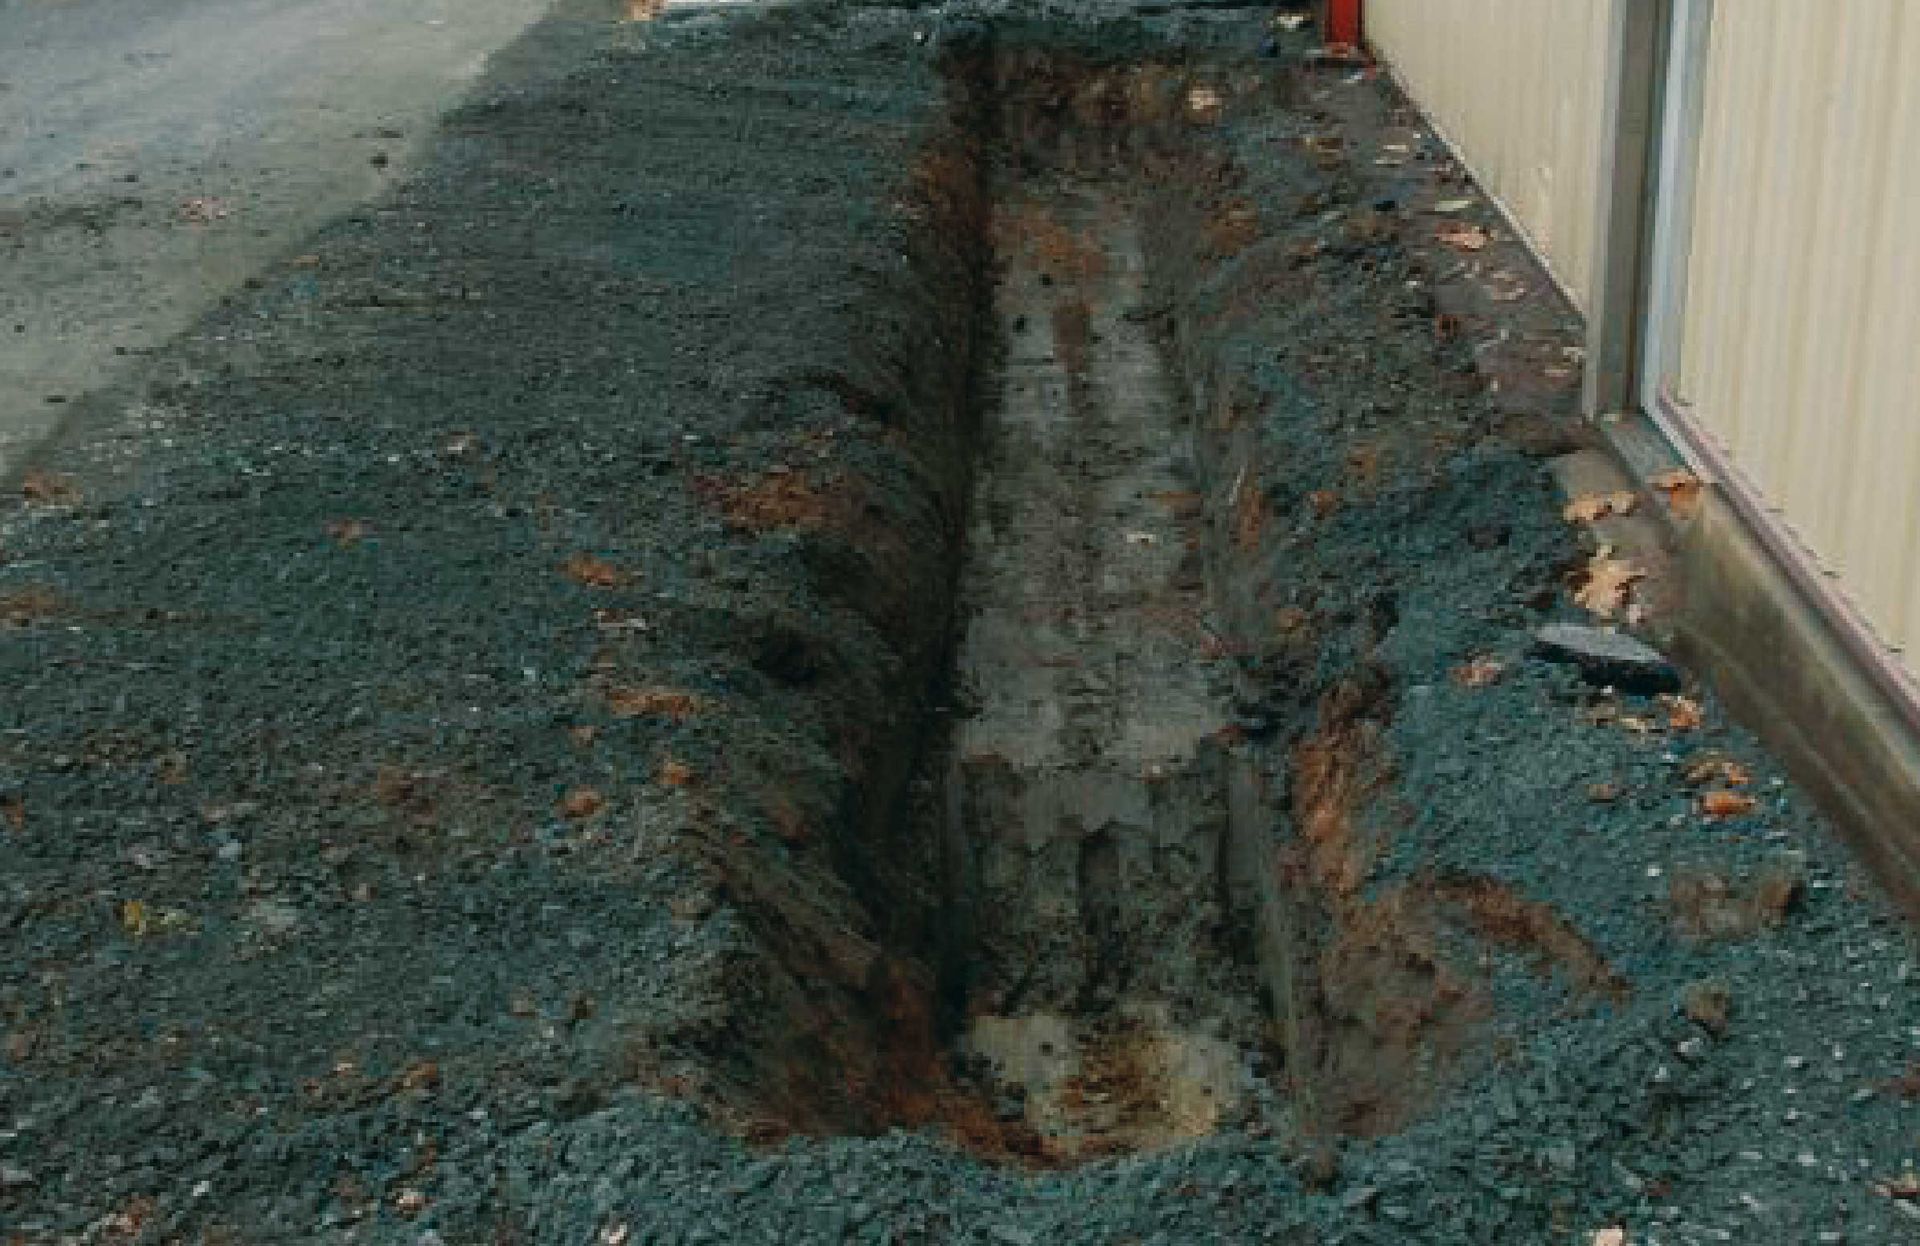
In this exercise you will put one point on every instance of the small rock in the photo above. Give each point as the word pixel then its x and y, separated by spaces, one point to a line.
pixel 1359 1196
pixel 1607 659
pixel 1709 1005
pixel 12 1178
pixel 272 919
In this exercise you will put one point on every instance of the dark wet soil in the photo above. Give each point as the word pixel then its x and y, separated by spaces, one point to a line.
pixel 871 624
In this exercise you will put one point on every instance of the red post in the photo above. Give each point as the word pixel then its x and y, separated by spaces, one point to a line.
pixel 1343 23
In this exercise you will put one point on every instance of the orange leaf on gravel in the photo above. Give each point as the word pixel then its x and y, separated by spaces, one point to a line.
pixel 1607 583
pixel 1682 490
pixel 14 810
pixel 1683 713
pixel 1714 768
pixel 1464 237
pixel 1593 507
pixel 676 774
pixel 420 1075
pixel 1723 804
pixel 1479 672
pixel 592 572
pixel 48 489
pixel 582 802
pixel 347 533
pixel 653 702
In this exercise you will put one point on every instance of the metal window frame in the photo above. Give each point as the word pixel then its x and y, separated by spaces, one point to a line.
pixel 1652 380
pixel 1683 108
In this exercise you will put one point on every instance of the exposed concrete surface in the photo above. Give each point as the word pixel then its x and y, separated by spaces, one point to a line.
pixel 154 156
pixel 1736 615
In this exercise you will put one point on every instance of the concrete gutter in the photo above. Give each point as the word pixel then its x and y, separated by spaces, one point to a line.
pixel 1791 657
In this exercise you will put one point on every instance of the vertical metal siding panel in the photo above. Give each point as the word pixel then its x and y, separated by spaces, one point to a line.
pixel 1795 201
pixel 1800 341
pixel 1708 246
pixel 1517 85
pixel 1767 213
pixel 1883 520
pixel 1715 339
pixel 1802 326
pixel 1851 167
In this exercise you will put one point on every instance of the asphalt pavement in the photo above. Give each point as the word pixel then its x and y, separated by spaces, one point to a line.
pixel 154 156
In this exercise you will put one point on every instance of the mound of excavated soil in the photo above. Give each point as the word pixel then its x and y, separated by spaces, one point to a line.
pixel 858 624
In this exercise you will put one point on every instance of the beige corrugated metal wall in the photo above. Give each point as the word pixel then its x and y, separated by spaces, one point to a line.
pixel 1801 327
pixel 1519 86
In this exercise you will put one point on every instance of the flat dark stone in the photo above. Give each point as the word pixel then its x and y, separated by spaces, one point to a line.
pixel 1608 659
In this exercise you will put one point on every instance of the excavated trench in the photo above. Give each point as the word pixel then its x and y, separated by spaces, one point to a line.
pixel 1100 984
pixel 1109 998
pixel 1075 931
pixel 1106 896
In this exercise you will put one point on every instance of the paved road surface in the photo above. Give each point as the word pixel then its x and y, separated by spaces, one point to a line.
pixel 153 155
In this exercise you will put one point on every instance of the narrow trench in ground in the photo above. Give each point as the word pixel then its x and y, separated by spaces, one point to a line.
pixel 1102 986
pixel 1119 898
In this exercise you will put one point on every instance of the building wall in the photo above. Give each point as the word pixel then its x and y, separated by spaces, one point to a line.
pixel 1519 87
pixel 1801 327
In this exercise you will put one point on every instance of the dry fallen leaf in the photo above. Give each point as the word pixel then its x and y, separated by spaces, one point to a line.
pixel 1204 103
pixel 1723 804
pixel 1714 768
pixel 13 810
pixel 1593 507
pixel 1604 793
pixel 1682 490
pixel 653 702
pixel 48 489
pixel 582 802
pixel 1607 584
pixel 1905 1187
pixel 1464 237
pixel 1479 672
pixel 592 572
pixel 676 774
pixel 420 1075
pixel 1614 1236
pixel 1587 508
pixel 1683 713
pixel 347 533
